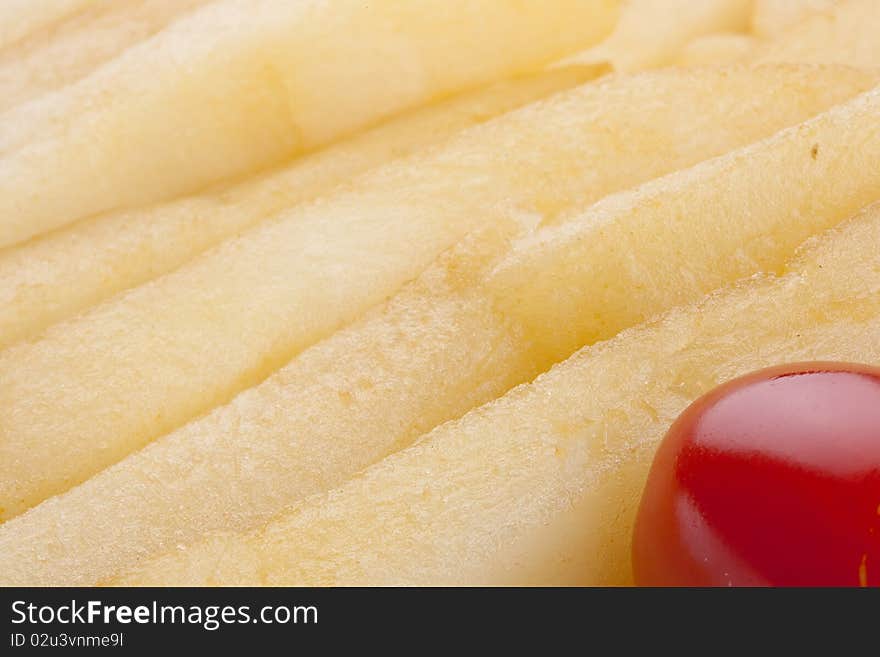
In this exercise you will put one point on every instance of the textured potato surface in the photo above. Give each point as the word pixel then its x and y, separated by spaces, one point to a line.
pixel 405 292
pixel 360 393
pixel 845 34
pixel 772 18
pixel 651 33
pixel 71 49
pixel 243 84
pixel 19 18
pixel 53 277
pixel 738 214
pixel 541 485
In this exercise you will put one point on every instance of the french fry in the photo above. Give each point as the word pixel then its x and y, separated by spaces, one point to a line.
pixel 263 80
pixel 541 486
pixel 338 407
pixel 620 263
pixel 51 58
pixel 197 336
pixel 54 277
pixel 717 50
pixel 651 33
pixel 846 35
pixel 772 18
pixel 19 18
pixel 442 346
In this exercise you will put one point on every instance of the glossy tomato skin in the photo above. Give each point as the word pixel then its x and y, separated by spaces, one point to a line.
pixel 772 479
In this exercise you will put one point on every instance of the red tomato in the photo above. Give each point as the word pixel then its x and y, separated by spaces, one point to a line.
pixel 770 480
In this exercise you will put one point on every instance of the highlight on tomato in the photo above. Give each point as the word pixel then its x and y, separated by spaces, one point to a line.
pixel 772 479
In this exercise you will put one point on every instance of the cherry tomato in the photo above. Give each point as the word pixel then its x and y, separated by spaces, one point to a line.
pixel 772 479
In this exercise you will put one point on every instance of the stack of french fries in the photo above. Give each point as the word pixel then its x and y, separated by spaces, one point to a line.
pixel 407 291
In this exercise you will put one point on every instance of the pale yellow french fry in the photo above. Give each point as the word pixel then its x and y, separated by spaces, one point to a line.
pixel 730 217
pixel 52 58
pixel 51 278
pixel 431 354
pixel 243 84
pixel 772 18
pixel 846 35
pixel 717 50
pixel 148 361
pixel 541 486
pixel 439 348
pixel 19 18
pixel 651 33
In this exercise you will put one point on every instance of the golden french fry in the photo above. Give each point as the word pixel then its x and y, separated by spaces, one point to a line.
pixel 49 59
pixel 288 77
pixel 19 18
pixel 651 33
pixel 717 49
pixel 54 277
pixel 442 346
pixel 541 486
pixel 748 212
pixel 846 35
pixel 772 18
